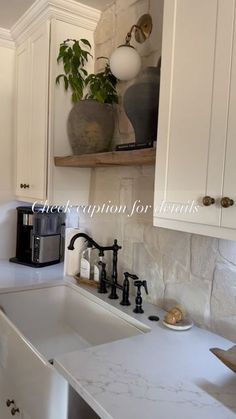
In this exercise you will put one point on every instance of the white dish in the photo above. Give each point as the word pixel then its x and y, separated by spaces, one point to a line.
pixel 185 324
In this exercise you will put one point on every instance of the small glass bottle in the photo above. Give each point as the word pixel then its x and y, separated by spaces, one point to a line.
pixel 85 263
pixel 97 269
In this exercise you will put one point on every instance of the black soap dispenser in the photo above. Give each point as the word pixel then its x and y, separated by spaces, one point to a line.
pixel 125 294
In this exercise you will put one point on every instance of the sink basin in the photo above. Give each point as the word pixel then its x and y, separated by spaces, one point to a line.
pixel 63 318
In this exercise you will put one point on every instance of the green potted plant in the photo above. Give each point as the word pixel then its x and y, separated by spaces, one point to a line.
pixel 91 119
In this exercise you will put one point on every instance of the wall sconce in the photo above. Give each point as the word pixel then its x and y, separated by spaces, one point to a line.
pixel 125 61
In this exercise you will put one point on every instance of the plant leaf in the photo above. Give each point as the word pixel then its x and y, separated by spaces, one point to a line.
pixel 58 78
pixel 66 82
pixel 86 42
pixel 100 86
pixel 84 71
pixel 74 97
pixel 76 48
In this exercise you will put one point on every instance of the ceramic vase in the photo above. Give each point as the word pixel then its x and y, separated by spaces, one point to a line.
pixel 90 127
pixel 141 102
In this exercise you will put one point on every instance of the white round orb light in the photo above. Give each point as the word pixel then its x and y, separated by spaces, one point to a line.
pixel 125 63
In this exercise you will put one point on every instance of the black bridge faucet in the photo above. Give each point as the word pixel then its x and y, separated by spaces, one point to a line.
pixel 114 248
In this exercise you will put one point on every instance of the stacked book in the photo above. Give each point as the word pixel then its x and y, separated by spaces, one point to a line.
pixel 133 146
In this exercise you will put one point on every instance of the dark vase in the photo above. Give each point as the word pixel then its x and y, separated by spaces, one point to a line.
pixel 90 127
pixel 141 102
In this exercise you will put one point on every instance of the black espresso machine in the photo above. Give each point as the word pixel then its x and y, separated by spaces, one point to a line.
pixel 40 236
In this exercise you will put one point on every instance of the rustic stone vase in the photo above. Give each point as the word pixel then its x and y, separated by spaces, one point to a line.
pixel 141 102
pixel 90 127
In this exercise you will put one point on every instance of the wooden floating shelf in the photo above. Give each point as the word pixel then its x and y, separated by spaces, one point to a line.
pixel 145 156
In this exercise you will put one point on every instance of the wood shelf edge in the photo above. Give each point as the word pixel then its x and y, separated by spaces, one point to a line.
pixel 145 156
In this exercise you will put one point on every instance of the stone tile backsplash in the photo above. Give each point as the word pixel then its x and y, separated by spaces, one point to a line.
pixel 197 271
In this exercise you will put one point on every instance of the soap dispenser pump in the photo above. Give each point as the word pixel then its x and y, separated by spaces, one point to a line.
pixel 125 291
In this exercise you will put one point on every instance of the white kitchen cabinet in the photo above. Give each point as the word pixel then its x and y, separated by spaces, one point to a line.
pixel 4 396
pixel 195 145
pixel 32 115
pixel 42 108
pixel 7 399
pixel 21 124
pixel 38 391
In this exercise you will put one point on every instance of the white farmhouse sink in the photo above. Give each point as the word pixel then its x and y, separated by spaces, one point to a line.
pixel 61 319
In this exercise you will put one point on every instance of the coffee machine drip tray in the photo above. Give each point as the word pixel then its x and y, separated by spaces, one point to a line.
pixel 34 264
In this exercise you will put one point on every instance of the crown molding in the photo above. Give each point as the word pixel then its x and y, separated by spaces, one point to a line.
pixel 6 39
pixel 69 10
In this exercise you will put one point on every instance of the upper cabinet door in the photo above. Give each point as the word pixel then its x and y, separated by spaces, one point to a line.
pixel 193 118
pixel 22 117
pixel 38 115
pixel 32 74
pixel 229 184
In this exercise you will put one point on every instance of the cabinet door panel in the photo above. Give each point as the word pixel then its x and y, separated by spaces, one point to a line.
pixel 22 116
pixel 229 188
pixel 38 390
pixel 7 391
pixel 4 395
pixel 192 120
pixel 220 98
pixel 39 56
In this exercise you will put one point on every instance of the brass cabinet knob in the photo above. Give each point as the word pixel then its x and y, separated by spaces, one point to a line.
pixel 208 200
pixel 14 410
pixel 24 185
pixel 226 202
pixel 21 185
pixel 9 402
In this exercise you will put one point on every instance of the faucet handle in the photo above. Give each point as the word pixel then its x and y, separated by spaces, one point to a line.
pixel 125 289
pixel 132 276
pixel 140 284
pixel 116 247
pixel 144 284
pixel 102 278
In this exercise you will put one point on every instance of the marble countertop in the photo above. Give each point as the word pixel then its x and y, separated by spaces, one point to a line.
pixel 13 275
pixel 161 374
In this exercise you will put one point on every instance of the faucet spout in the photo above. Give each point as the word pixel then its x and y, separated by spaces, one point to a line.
pixel 89 240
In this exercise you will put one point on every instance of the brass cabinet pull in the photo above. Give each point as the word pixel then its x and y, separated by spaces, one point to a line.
pixel 24 185
pixel 9 402
pixel 208 200
pixel 14 411
pixel 226 202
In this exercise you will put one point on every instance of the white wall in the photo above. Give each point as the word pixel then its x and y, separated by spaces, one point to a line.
pixel 7 205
